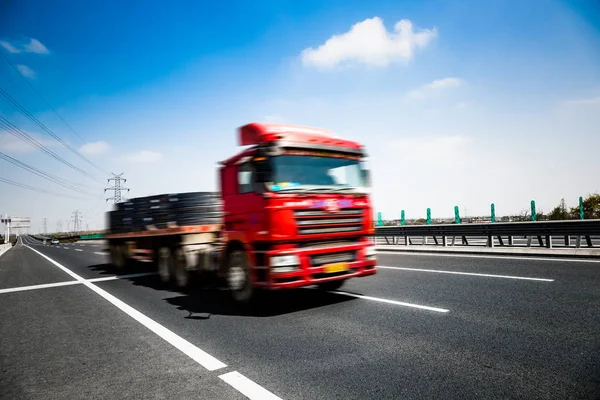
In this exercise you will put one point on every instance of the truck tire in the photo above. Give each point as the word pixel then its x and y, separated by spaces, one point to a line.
pixel 180 272
pixel 331 285
pixel 118 256
pixel 164 263
pixel 238 277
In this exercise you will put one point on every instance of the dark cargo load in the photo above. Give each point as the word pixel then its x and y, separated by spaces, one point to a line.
pixel 166 211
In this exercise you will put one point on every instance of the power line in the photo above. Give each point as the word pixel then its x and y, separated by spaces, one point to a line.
pixel 24 111
pixel 117 188
pixel 43 174
pixel 39 94
pixel 16 131
pixel 24 186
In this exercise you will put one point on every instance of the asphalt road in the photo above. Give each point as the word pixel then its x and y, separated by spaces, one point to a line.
pixel 426 326
pixel 518 241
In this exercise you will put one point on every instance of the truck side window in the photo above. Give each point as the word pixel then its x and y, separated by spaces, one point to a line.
pixel 245 178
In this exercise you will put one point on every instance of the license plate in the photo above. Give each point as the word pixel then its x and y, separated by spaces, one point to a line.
pixel 333 268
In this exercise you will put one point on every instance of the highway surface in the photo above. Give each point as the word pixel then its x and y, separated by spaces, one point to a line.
pixel 425 326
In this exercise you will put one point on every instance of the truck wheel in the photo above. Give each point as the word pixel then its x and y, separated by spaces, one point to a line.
pixel 164 264
pixel 114 249
pixel 331 285
pixel 119 256
pixel 238 276
pixel 181 273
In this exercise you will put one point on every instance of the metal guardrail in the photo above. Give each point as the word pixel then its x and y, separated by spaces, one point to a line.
pixel 544 231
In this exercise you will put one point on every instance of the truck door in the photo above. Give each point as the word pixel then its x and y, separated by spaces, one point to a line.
pixel 246 206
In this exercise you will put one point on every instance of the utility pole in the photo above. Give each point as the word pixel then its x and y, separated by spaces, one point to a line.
pixel 117 188
pixel 45 226
pixel 76 221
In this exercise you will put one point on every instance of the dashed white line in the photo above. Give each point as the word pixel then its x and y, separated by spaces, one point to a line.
pixel 78 250
pixel 397 303
pixel 111 278
pixel 467 273
pixel 35 287
pixel 76 282
pixel 247 387
pixel 100 253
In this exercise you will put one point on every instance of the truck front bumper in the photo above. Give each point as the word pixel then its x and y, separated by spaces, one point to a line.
pixel 310 268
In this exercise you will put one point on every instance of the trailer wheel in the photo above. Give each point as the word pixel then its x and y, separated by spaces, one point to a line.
pixel 113 249
pixel 180 271
pixel 238 276
pixel 331 285
pixel 118 258
pixel 164 264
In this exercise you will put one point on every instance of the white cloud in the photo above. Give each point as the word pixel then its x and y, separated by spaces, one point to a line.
pixel 26 71
pixel 370 43
pixel 35 46
pixel 435 86
pixel 94 148
pixel 10 143
pixel 31 46
pixel 9 47
pixel 432 149
pixel 461 105
pixel 592 101
pixel 143 157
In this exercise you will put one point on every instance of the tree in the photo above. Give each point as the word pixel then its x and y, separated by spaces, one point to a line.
pixel 591 208
pixel 559 212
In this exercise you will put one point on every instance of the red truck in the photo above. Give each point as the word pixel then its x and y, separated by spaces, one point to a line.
pixel 295 210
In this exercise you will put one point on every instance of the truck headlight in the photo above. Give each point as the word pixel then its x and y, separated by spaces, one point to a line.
pixel 370 253
pixel 287 263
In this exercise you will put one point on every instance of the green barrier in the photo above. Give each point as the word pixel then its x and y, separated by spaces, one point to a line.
pixel 90 237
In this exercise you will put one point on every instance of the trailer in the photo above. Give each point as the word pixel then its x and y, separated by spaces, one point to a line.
pixel 294 209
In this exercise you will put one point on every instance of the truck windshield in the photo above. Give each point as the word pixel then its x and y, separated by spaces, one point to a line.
pixel 308 173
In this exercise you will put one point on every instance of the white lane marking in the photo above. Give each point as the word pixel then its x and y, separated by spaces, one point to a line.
pixel 398 303
pixel 78 250
pixel 467 273
pixel 35 287
pixel 68 283
pixel 111 278
pixel 195 353
pixel 247 387
pixel 100 253
pixel 533 257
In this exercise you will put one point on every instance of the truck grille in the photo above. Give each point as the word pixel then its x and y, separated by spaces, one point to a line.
pixel 313 222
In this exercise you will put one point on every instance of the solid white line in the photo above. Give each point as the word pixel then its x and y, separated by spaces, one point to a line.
pixel 100 253
pixel 35 287
pixel 533 257
pixel 247 387
pixel 398 303
pixel 467 273
pixel 196 354
pixel 78 250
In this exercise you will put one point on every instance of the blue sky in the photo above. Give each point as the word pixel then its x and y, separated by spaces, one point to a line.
pixel 476 102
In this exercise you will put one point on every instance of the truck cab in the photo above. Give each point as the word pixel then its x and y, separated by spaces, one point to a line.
pixel 297 210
